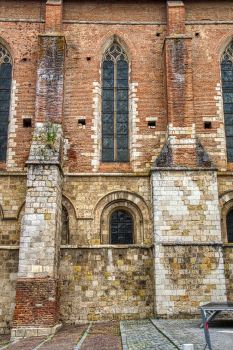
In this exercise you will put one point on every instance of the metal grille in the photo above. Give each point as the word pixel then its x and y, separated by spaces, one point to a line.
pixel 5 90
pixel 230 226
pixel 227 86
pixel 121 228
pixel 115 105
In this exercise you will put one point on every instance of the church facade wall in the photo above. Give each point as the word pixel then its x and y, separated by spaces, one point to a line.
pixel 176 186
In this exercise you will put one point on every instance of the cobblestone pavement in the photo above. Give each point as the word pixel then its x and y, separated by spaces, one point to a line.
pixel 135 335
pixel 103 336
pixel 189 331
pixel 143 335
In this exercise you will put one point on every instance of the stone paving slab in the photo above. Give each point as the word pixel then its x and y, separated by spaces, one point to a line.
pixel 26 344
pixel 189 331
pixel 143 335
pixel 4 339
pixel 66 338
pixel 103 336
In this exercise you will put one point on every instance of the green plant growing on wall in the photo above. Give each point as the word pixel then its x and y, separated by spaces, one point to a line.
pixel 51 135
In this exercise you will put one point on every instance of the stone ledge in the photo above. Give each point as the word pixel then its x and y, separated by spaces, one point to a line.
pixel 106 246
pixel 190 243
pixel 27 332
pixel 9 247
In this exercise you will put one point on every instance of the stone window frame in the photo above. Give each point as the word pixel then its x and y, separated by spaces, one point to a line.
pixel 126 206
pixel 123 199
pixel 110 41
pixel 6 46
pixel 227 207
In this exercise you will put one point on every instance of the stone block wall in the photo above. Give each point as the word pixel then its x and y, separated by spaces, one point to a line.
pixel 86 197
pixel 12 197
pixel 188 276
pixel 106 284
pixel 189 266
pixel 9 259
pixel 186 206
pixel 40 238
pixel 228 268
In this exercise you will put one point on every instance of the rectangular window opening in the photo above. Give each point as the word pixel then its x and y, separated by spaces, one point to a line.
pixel 81 123
pixel 207 125
pixel 27 123
pixel 151 124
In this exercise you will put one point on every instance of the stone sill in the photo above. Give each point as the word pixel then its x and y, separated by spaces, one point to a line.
pixel 228 245
pixel 106 246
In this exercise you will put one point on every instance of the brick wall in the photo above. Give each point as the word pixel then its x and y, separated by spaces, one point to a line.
pixel 37 302
pixel 146 70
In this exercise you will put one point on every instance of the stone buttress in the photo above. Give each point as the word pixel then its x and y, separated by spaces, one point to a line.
pixel 38 288
pixel 189 267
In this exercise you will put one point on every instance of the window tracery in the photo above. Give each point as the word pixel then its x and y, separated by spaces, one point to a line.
pixel 115 105
pixel 5 91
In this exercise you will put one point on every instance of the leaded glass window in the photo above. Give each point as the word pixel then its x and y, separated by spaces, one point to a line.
pixel 230 226
pixel 121 228
pixel 5 91
pixel 115 105
pixel 227 86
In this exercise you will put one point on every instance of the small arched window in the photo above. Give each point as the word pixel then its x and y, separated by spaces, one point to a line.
pixel 229 220
pixel 115 105
pixel 5 92
pixel 121 228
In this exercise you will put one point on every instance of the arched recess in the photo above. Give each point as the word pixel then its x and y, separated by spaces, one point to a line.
pixel 69 223
pixel 6 65
pixel 128 201
pixel 226 205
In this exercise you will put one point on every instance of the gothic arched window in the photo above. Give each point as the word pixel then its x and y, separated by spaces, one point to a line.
pixel 227 86
pixel 115 105
pixel 121 228
pixel 229 220
pixel 5 92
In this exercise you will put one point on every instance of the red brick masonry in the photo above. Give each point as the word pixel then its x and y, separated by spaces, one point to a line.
pixel 37 302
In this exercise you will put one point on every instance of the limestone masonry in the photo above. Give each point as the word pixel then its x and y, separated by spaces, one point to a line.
pixel 116 160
